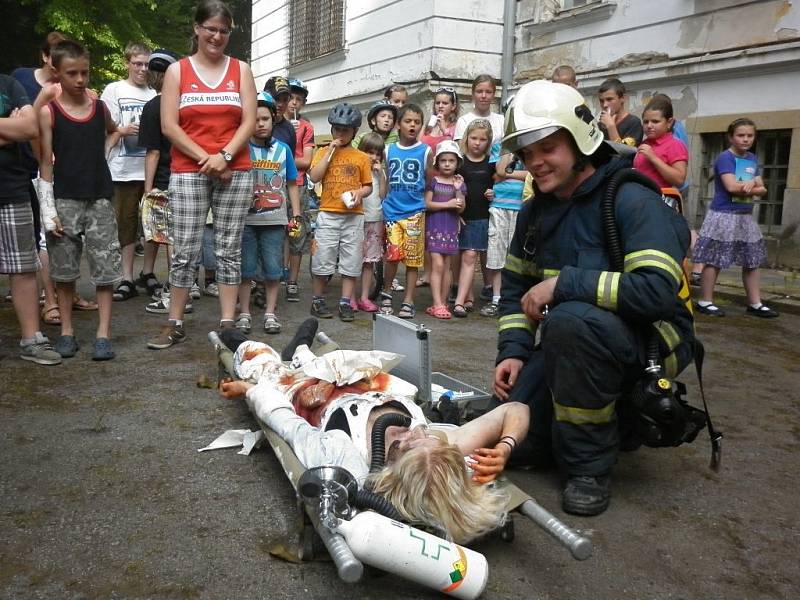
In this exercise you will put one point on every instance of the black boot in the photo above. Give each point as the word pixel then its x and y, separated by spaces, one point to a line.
pixel 588 496
pixel 304 335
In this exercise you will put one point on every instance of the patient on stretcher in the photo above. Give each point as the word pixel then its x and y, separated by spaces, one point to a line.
pixel 326 408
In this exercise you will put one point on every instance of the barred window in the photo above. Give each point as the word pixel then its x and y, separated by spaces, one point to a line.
pixel 316 28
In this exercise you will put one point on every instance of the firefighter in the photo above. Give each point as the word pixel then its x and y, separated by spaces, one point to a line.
pixel 594 323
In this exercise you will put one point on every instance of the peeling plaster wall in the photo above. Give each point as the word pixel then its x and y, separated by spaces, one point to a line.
pixel 717 59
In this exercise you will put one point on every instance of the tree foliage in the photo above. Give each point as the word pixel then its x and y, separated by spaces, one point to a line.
pixel 106 26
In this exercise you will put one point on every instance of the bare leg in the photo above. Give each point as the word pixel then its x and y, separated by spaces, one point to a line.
pixel 244 296
pixel 467 275
pixel 751 278
pixel 227 301
pixel 436 268
pixel 318 285
pixel 128 254
pixel 150 254
pixel 25 295
pixel 294 266
pixel 707 283
pixel 65 291
pixel 272 295
pixel 348 286
pixel 412 273
pixel 389 273
pixel 177 302
pixel 49 288
pixel 494 280
pixel 105 298
pixel 366 280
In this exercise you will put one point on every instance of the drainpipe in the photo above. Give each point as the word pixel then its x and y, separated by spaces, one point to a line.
pixel 507 61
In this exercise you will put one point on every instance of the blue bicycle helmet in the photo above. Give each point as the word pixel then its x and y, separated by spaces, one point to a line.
pixel 345 115
pixel 266 99
pixel 298 87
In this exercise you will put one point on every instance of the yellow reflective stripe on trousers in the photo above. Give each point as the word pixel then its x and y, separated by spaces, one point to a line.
pixel 515 321
pixel 607 290
pixel 584 416
pixel 671 365
pixel 519 266
pixel 668 333
pixel 653 258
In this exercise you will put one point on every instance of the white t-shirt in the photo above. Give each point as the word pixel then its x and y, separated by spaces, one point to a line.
pixel 372 203
pixel 496 119
pixel 125 103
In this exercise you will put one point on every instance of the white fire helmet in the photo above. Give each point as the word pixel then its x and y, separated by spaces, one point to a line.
pixel 540 108
pixel 448 146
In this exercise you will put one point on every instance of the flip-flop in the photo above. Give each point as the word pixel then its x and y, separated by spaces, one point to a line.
pixel 79 303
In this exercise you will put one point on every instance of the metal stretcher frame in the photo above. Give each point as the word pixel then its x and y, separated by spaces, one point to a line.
pixel 349 568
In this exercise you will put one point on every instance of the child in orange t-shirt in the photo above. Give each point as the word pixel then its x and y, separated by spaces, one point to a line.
pixel 346 176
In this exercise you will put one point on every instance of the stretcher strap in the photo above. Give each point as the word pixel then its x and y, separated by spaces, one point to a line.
pixel 713 434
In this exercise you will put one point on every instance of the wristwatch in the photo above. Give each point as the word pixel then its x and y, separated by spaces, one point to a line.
pixel 226 155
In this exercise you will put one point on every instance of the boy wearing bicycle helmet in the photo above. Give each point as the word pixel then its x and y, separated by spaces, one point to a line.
pixel 346 176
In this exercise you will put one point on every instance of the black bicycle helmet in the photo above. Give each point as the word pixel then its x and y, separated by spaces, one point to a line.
pixel 345 115
pixel 378 107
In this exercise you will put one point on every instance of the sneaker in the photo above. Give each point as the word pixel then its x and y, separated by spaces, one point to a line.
pixel 486 292
pixel 587 496
pixel 292 291
pixel 103 349
pixel 66 346
pixel 319 308
pixel 138 250
pixel 244 322
pixel 346 312
pixel 170 335
pixel 271 324
pixel 212 289
pixel 396 286
pixel 40 351
pixel 162 292
pixel 490 310
pixel 195 291
pixel 161 306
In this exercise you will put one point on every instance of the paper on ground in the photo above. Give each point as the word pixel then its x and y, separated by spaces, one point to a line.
pixel 233 438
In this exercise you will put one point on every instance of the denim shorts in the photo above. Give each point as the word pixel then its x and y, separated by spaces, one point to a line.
pixel 474 235
pixel 264 242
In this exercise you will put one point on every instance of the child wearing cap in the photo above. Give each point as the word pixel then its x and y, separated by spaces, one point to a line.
pixel 444 202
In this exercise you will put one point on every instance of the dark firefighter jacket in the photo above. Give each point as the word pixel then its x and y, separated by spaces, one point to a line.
pixel 566 238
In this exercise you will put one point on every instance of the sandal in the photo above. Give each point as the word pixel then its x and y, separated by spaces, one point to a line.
pixel 440 312
pixel 407 311
pixel 386 303
pixel 79 303
pixel 469 306
pixel 51 315
pixel 460 311
pixel 125 291
pixel 422 283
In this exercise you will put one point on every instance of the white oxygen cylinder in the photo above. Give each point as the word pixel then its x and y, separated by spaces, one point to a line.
pixel 415 555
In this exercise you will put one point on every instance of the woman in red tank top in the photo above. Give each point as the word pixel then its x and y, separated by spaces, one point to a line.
pixel 208 112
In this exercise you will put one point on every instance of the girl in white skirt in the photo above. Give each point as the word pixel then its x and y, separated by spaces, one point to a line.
pixel 729 235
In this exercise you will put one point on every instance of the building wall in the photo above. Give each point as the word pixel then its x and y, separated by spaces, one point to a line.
pixel 420 43
pixel 717 59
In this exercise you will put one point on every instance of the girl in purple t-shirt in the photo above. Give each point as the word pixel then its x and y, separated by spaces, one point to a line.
pixel 729 235
pixel 444 202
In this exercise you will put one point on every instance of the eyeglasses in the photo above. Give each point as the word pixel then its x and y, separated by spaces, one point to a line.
pixel 138 64
pixel 214 30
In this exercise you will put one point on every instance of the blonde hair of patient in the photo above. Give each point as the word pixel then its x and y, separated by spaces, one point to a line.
pixel 431 485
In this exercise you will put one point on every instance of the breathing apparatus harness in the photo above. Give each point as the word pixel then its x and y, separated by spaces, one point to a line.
pixel 664 418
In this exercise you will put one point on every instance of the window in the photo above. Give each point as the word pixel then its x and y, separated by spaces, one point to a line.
pixel 316 28
pixel 772 151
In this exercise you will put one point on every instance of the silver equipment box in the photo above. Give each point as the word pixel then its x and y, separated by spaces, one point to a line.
pixel 412 340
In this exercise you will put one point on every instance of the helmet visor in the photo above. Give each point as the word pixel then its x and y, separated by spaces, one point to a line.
pixel 517 141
